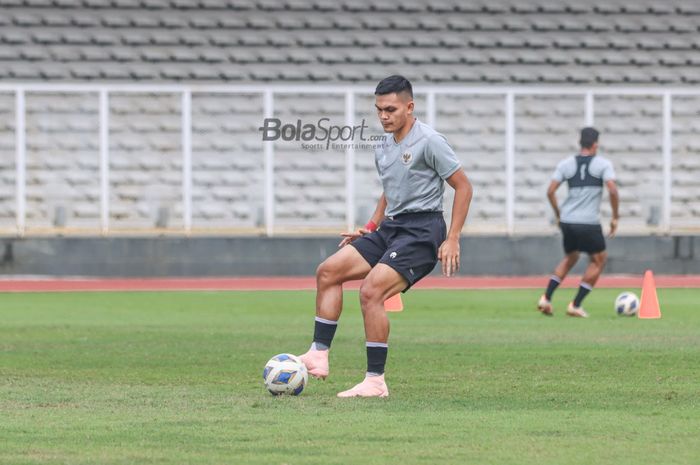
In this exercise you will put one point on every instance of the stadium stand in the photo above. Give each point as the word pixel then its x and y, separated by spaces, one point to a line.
pixel 443 42
pixel 627 41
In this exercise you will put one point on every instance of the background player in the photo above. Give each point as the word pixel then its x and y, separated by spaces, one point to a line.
pixel 579 218
pixel 413 161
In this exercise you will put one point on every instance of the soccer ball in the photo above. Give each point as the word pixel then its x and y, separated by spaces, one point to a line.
pixel 285 374
pixel 627 304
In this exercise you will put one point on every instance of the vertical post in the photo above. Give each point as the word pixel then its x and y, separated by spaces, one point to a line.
pixel 20 160
pixel 589 109
pixel 510 162
pixel 667 161
pixel 269 169
pixel 104 161
pixel 350 163
pixel 187 159
pixel 430 109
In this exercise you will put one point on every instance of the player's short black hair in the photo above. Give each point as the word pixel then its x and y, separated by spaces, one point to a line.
pixel 394 84
pixel 589 136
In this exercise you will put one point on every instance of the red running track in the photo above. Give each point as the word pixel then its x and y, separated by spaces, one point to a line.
pixel 50 284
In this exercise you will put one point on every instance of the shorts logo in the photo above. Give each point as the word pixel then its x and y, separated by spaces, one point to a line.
pixel 392 255
pixel 406 158
pixel 410 270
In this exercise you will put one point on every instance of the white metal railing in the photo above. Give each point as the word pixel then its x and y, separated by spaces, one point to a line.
pixel 268 93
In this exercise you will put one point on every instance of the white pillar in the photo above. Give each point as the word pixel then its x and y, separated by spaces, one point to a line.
pixel 20 160
pixel 350 163
pixel 187 160
pixel 104 161
pixel 589 109
pixel 510 163
pixel 269 169
pixel 667 161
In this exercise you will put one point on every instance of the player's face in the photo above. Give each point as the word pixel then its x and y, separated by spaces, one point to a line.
pixel 394 111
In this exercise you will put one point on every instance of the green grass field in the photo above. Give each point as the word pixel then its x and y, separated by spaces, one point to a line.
pixel 476 377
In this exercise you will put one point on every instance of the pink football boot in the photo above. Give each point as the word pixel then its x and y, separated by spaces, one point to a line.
pixel 316 362
pixel 372 386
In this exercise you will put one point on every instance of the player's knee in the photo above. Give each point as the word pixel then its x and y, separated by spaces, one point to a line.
pixel 369 295
pixel 327 272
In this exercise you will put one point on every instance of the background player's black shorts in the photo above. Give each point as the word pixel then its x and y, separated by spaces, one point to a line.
pixel 582 237
pixel 408 243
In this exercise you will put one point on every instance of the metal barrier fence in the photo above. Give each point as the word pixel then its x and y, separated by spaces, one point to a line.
pixel 268 94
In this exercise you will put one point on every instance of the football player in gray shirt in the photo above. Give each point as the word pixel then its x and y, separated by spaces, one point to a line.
pixel 579 218
pixel 401 243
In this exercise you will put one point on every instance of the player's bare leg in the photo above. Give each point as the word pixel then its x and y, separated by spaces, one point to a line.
pixel 566 264
pixel 590 277
pixel 380 284
pixel 545 303
pixel 595 268
pixel 345 265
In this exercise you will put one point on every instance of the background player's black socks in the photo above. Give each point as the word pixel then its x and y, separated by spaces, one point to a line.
pixel 554 282
pixel 583 291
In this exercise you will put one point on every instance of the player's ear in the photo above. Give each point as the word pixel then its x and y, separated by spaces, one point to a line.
pixel 410 107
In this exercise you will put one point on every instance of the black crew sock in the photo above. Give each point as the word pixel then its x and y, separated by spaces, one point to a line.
pixel 376 357
pixel 583 291
pixel 554 282
pixel 324 330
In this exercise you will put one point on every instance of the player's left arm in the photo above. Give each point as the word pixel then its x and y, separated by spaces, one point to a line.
pixel 448 253
pixel 614 204
pixel 552 197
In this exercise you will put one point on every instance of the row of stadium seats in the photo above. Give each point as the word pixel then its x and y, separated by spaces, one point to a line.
pixel 146 171
pixel 438 6
pixel 500 41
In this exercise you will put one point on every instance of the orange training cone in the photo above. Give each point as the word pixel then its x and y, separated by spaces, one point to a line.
pixel 393 304
pixel 649 307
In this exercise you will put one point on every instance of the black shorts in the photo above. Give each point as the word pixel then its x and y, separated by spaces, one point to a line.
pixel 582 237
pixel 408 243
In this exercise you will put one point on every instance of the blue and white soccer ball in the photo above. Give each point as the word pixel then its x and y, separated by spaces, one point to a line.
pixel 285 374
pixel 627 304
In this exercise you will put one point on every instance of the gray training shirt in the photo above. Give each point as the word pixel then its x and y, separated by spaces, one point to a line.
pixel 413 171
pixel 585 176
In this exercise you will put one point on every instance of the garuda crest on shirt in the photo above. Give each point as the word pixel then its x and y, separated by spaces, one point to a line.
pixel 406 158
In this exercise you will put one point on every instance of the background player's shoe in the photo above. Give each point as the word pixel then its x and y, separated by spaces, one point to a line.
pixel 372 386
pixel 576 311
pixel 316 362
pixel 544 306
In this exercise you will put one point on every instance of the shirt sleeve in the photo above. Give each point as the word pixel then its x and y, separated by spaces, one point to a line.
pixel 559 174
pixel 609 172
pixel 441 157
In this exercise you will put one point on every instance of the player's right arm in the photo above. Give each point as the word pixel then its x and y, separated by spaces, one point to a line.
pixel 614 204
pixel 551 195
pixel 371 226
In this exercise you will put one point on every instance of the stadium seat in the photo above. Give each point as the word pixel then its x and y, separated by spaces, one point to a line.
pixel 295 41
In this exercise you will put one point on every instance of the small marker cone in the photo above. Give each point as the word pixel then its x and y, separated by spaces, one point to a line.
pixel 649 307
pixel 393 304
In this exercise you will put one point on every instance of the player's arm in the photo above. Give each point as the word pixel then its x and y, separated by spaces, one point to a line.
pixel 378 215
pixel 371 226
pixel 551 195
pixel 448 253
pixel 614 204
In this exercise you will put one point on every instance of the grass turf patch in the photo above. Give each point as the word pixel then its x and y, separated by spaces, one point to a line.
pixel 475 377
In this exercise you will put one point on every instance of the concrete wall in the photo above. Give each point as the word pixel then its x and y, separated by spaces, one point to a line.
pixel 255 256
